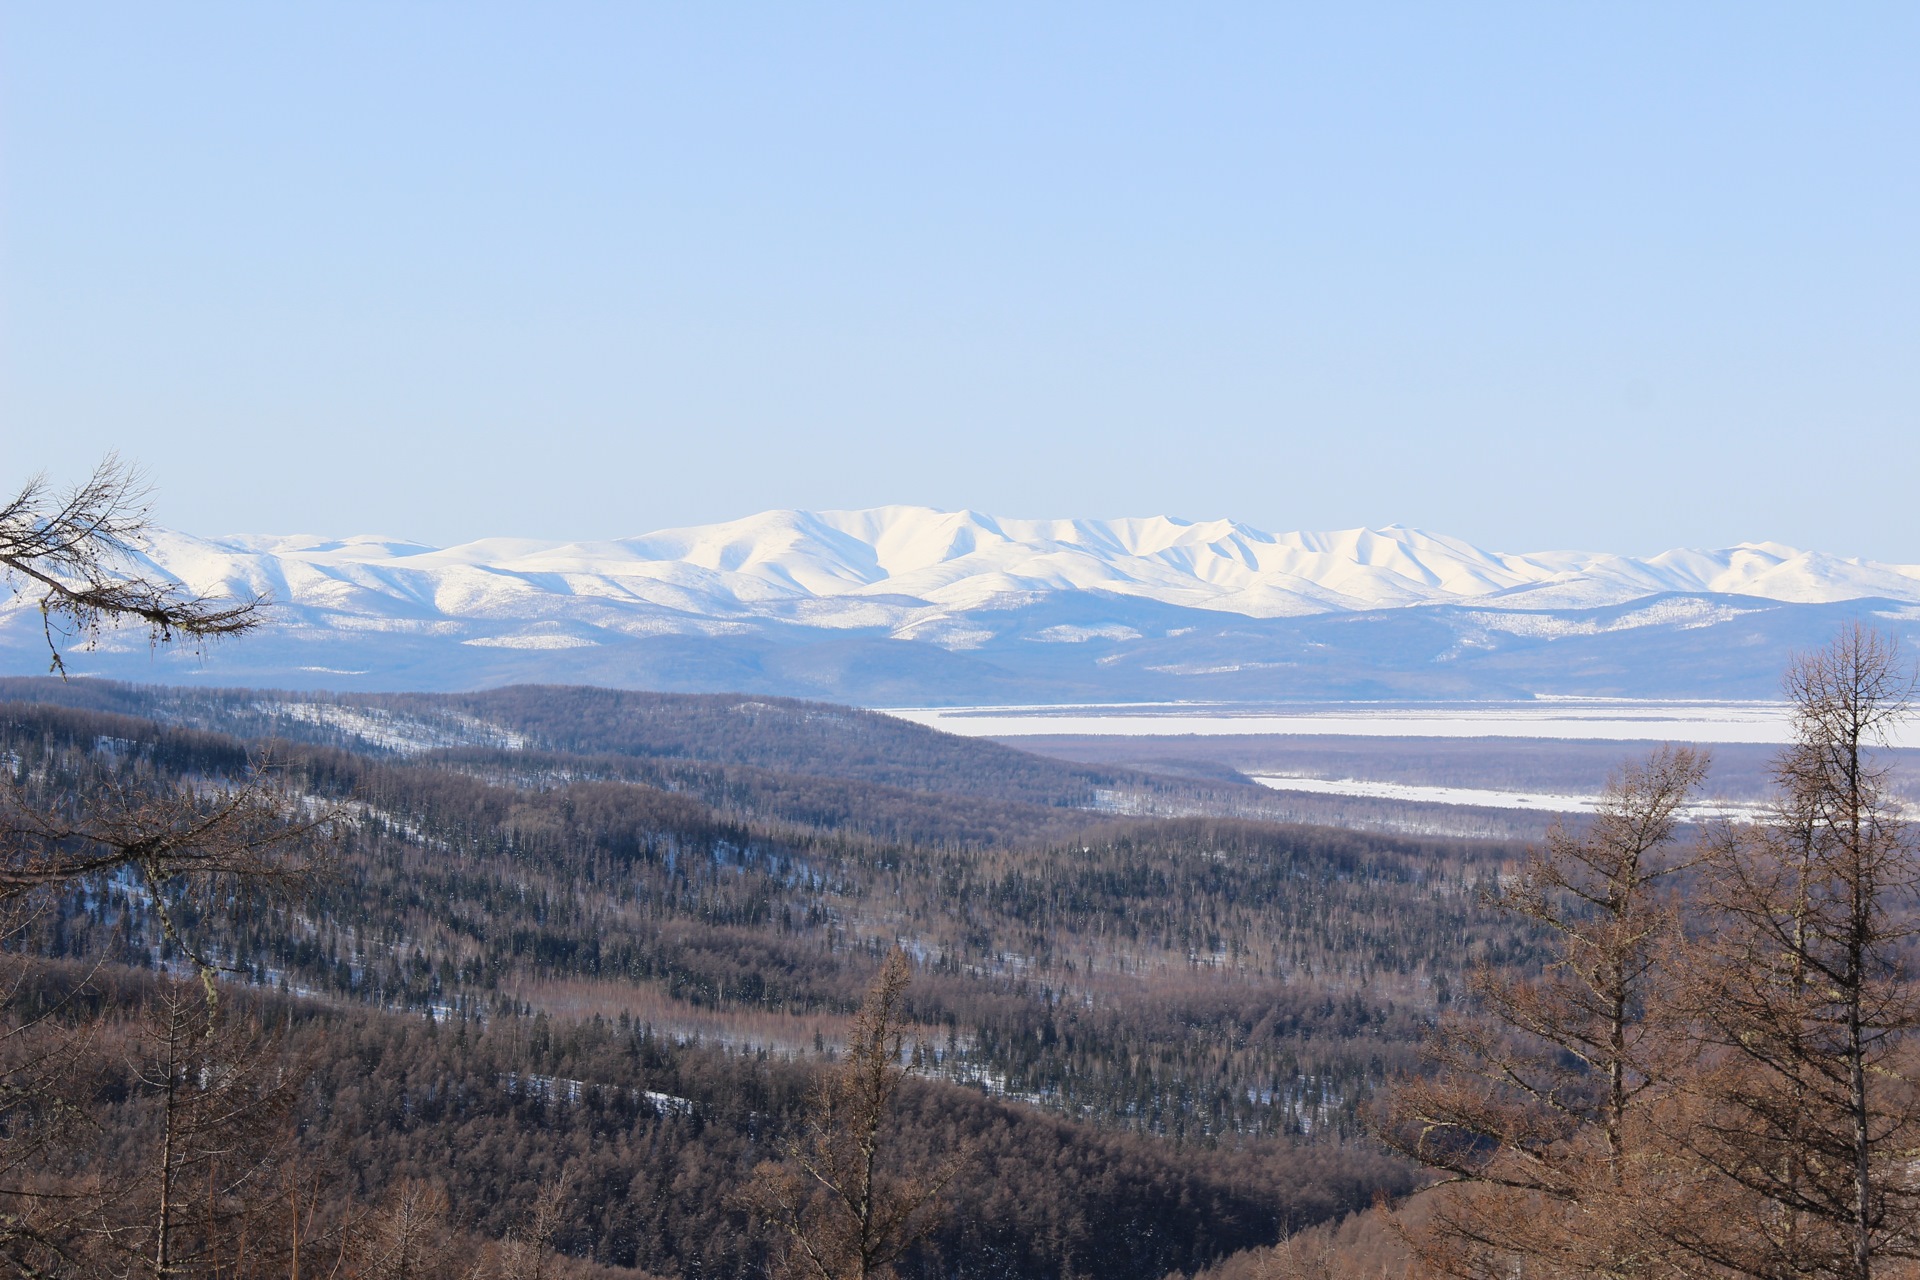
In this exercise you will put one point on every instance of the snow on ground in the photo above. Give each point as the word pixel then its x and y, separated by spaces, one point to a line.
pixel 1607 719
pixel 1485 799
pixel 401 734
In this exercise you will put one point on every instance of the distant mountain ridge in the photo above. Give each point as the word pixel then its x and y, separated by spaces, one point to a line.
pixel 790 601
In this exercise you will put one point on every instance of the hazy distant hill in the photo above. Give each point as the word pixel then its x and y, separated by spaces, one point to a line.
pixel 905 604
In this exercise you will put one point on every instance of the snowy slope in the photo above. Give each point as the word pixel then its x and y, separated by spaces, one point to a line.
pixel 913 557
pixel 958 583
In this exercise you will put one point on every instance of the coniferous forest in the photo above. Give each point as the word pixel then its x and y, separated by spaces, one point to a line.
pixel 575 982
pixel 507 968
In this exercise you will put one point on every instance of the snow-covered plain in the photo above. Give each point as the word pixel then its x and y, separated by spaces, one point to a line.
pixel 1540 801
pixel 1603 719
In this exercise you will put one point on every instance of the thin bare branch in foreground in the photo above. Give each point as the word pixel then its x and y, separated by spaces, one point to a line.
pixel 76 549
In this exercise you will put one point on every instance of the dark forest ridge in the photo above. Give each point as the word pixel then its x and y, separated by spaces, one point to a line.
pixel 815 762
pixel 811 739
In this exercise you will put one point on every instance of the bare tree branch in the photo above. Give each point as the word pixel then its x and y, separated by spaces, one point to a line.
pixel 76 549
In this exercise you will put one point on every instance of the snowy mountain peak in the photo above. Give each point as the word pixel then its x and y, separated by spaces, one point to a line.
pixel 960 560
pixel 954 582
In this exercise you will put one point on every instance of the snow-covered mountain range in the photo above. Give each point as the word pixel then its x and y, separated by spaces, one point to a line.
pixel 908 604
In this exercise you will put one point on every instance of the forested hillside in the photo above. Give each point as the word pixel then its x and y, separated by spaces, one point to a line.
pixel 780 734
pixel 621 963
pixel 821 764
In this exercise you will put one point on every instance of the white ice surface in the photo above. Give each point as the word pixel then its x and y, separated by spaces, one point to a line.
pixel 1597 718
pixel 1542 801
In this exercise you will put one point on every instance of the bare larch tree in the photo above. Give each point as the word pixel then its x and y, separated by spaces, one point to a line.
pixel 78 552
pixel 1539 1113
pixel 841 1206
pixel 1803 987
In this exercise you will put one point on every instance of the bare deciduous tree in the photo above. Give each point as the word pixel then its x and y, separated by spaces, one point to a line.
pixel 1540 1116
pixel 843 1211
pixel 527 1252
pixel 408 1238
pixel 221 1094
pixel 198 1136
pixel 76 550
pixel 181 844
pixel 1738 1097
pixel 46 1069
pixel 1804 989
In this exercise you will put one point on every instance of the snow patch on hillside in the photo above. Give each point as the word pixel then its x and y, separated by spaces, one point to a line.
pixel 532 642
pixel 1080 635
pixel 400 734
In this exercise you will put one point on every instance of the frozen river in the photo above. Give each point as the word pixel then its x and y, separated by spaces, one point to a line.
pixel 1566 719
pixel 1587 718
pixel 1546 802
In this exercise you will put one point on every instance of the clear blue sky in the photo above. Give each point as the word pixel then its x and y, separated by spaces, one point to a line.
pixel 1623 276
